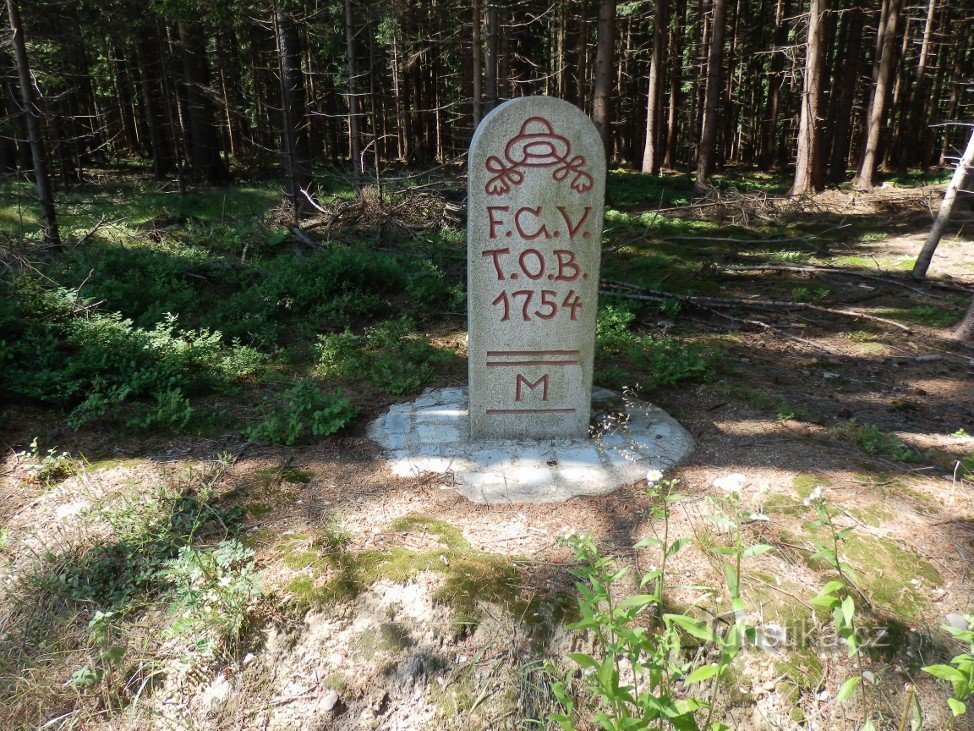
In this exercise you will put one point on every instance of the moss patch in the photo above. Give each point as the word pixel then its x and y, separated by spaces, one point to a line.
pixel 783 505
pixel 803 485
pixel 259 538
pixel 449 535
pixel 257 510
pixel 293 475
pixel 873 515
pixel 886 572
pixel 332 573
pixel 391 638
pixel 802 674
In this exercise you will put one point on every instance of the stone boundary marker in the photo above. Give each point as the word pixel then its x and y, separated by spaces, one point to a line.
pixel 534 230
pixel 429 435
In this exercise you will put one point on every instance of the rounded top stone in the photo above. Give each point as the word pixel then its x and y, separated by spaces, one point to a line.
pixel 539 127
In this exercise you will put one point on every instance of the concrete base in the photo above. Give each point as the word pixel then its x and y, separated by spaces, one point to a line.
pixel 628 438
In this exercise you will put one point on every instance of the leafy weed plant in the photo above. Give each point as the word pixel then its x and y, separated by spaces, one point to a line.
pixel 213 591
pixel 959 672
pixel 838 596
pixel 640 674
pixel 51 467
pixel 303 410
pixel 872 440
pixel 656 361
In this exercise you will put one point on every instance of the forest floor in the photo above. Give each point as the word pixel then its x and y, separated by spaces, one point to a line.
pixel 160 570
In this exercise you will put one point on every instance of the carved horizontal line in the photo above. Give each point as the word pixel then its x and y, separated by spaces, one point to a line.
pixel 493 353
pixel 530 411
pixel 533 362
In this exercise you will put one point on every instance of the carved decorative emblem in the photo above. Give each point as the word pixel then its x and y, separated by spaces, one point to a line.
pixel 536 146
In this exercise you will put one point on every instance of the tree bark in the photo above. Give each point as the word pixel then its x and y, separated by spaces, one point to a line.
pixel 204 144
pixel 769 131
pixel 493 48
pixel 353 118
pixel 844 95
pixel 965 328
pixel 870 158
pixel 8 143
pixel 676 79
pixel 41 180
pixel 915 151
pixel 807 165
pixel 604 58
pixel 477 105
pixel 652 151
pixel 297 175
pixel 149 55
pixel 708 136
pixel 964 165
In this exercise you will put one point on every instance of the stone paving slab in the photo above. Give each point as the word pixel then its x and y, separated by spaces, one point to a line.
pixel 432 435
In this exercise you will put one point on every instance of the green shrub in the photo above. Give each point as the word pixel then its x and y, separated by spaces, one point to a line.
pixel 66 353
pixel 51 467
pixel 872 440
pixel 213 591
pixel 388 356
pixel 656 361
pixel 304 408
pixel 427 285
pixel 148 529
pixel 807 294
pixel 257 302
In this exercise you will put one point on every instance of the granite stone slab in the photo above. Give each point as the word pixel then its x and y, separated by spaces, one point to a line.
pixel 627 438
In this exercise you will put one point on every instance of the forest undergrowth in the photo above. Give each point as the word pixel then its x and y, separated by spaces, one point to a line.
pixel 195 532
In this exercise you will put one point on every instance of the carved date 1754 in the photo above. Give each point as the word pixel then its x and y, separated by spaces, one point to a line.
pixel 536 190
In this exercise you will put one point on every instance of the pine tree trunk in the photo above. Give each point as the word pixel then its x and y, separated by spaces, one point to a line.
pixel 708 136
pixel 844 94
pixel 477 104
pixel 204 147
pixel 676 79
pixel 493 48
pixel 41 180
pixel 957 74
pixel 8 145
pixel 652 152
pixel 353 118
pixel 965 328
pixel 769 132
pixel 604 59
pixel 297 176
pixel 149 53
pixel 874 122
pixel 807 164
pixel 964 166
pixel 914 152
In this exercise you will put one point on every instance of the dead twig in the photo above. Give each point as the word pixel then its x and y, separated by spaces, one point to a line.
pixel 303 237
pixel 845 273
pixel 653 295
pixel 91 232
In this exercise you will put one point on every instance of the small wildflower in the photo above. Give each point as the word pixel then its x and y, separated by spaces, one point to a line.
pixel 567 532
pixel 732 483
pixel 813 496
pixel 654 476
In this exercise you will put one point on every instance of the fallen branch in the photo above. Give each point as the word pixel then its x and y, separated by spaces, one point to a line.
pixel 844 272
pixel 303 237
pixel 732 240
pixel 91 232
pixel 653 295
